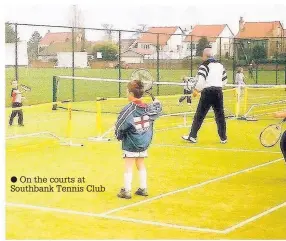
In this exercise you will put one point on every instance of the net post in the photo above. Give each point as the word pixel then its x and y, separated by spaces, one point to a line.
pixel 55 87
pixel 69 126
pixel 69 129
pixel 119 62
pixel 73 66
pixel 237 105
pixel 16 52
pixel 98 117
pixel 245 100
pixel 98 124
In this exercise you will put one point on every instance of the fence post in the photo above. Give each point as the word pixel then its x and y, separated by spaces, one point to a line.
pixel 285 72
pixel 158 64
pixel 191 55
pixel 16 51
pixel 55 86
pixel 219 49
pixel 119 63
pixel 73 86
pixel 256 74
pixel 233 62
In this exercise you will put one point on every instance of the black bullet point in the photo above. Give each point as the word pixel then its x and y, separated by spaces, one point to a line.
pixel 14 179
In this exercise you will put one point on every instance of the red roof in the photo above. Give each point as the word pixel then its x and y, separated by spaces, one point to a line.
pixel 259 29
pixel 212 32
pixel 166 33
pixel 56 37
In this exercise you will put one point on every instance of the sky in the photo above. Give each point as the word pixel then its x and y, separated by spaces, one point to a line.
pixel 128 16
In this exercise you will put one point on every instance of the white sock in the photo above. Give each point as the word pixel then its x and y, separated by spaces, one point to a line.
pixel 143 178
pixel 127 181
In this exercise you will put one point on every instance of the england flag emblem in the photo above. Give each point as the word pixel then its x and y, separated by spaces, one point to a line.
pixel 141 122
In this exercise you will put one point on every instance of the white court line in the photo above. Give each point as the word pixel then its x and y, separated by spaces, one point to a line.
pixel 190 187
pixel 65 211
pixel 249 220
pixel 191 146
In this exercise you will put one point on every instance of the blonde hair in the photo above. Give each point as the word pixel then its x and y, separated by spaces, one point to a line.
pixel 239 69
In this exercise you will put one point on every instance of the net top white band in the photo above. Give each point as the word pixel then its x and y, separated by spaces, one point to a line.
pixel 164 82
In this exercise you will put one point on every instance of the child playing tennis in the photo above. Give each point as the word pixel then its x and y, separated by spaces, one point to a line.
pixel 134 127
pixel 17 99
pixel 187 92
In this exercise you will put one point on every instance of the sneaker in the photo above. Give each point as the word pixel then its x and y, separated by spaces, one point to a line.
pixel 223 141
pixel 189 103
pixel 190 139
pixel 21 125
pixel 142 192
pixel 124 194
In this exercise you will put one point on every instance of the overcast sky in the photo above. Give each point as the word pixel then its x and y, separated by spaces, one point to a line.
pixel 127 16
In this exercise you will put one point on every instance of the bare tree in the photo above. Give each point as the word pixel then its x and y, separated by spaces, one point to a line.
pixel 108 31
pixel 77 21
pixel 139 29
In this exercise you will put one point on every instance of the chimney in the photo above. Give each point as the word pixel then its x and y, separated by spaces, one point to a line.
pixel 241 23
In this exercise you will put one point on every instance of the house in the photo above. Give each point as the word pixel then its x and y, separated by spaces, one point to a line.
pixel 219 38
pixel 52 43
pixel 267 34
pixel 169 40
pixel 136 56
pixel 126 44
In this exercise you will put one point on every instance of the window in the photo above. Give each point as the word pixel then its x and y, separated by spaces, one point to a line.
pixel 225 47
pixel 146 46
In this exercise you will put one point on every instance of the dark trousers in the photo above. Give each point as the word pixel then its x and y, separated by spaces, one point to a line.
pixel 189 98
pixel 210 97
pixel 283 145
pixel 15 113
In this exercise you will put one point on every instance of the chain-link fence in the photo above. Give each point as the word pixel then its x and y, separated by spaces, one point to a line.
pixel 36 53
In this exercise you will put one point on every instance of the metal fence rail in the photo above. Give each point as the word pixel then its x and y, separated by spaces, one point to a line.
pixel 169 53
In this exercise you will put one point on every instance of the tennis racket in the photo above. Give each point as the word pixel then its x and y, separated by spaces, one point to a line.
pixel 146 77
pixel 25 87
pixel 271 134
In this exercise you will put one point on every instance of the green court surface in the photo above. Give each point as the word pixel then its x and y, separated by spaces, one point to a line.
pixel 40 79
pixel 201 191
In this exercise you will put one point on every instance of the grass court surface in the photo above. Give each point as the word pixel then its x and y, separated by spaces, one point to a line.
pixel 201 191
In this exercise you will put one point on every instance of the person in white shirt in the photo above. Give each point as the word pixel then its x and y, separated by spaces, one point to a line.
pixel 211 78
pixel 239 77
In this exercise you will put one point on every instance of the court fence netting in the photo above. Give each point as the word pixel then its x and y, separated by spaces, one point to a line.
pixel 94 112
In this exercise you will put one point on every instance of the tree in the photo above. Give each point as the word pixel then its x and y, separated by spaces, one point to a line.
pixel 10 34
pixel 33 45
pixel 108 30
pixel 202 44
pixel 109 50
pixel 139 29
pixel 259 52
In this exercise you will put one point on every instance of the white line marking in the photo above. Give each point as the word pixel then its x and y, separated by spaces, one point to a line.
pixel 191 146
pixel 249 220
pixel 65 211
pixel 191 187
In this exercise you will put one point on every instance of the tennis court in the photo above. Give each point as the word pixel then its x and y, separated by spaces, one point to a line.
pixel 201 191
